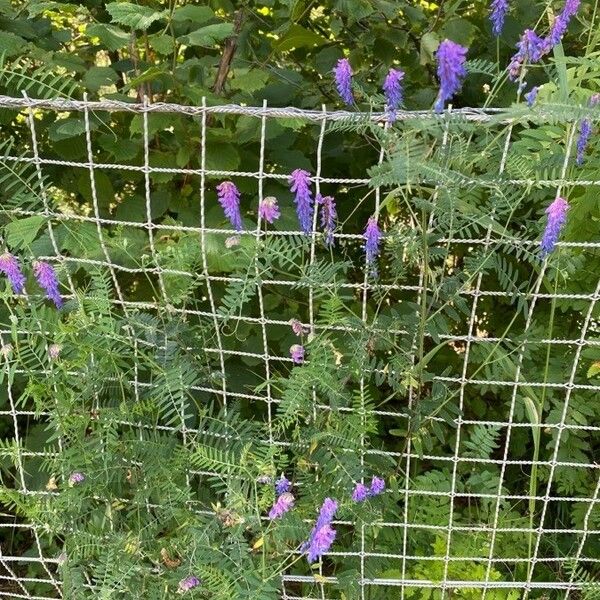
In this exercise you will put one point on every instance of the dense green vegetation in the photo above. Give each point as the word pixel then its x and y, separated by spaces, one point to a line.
pixel 174 467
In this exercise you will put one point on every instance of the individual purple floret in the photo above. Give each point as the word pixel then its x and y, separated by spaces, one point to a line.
pixel 297 354
pixel 268 209
pixel 283 504
pixel 297 327
pixel 229 198
pixel 451 71
pixel 282 485
pixel 585 132
pixel 360 493
pixel 372 237
pixel 300 180
pixel 46 277
pixel 343 80
pixel 392 89
pixel 377 486
pixel 9 265
pixel 76 477
pixel 531 95
pixel 530 48
pixel 185 585
pixel 561 22
pixel 328 217
pixel 320 543
pixel 498 11
pixel 557 216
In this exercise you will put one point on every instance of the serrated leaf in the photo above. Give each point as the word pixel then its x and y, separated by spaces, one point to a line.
pixel 21 233
pixel 110 35
pixel 133 15
pixel 191 12
pixel 11 44
pixel 298 37
pixel 208 35
pixel 97 77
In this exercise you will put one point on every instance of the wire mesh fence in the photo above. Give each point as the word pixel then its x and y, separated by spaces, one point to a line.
pixel 512 512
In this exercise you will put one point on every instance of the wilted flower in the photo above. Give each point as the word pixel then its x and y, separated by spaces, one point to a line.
pixel 46 277
pixel 9 265
pixel 264 479
pixel 320 542
pixel 392 88
pixel 188 583
pixel 300 180
pixel 232 241
pixel 328 217
pixel 561 22
pixel 498 10
pixel 360 493
pixel 5 350
pixel 372 237
pixel 451 71
pixel 282 485
pixel 268 209
pixel 229 198
pixel 377 486
pixel 283 504
pixel 76 477
pixel 54 351
pixel 297 354
pixel 343 80
pixel 557 216
pixel 531 95
pixel 297 327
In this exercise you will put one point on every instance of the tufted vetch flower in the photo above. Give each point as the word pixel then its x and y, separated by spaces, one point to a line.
pixel 451 71
pixel 282 485
pixel 297 354
pixel 372 236
pixel 283 504
pixel 392 89
pixel 360 493
pixel 185 585
pixel 531 95
pixel 328 217
pixel 268 209
pixel 46 277
pixel 300 187
pixel 9 265
pixel 342 73
pixel 556 218
pixel 229 198
pixel 498 10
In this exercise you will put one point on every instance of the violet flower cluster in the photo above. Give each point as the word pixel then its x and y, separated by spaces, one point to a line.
pixel 300 187
pixel 451 71
pixel 283 504
pixel 46 277
pixel 392 89
pixel 372 237
pixel 342 73
pixel 498 11
pixel 9 266
pixel 297 354
pixel 362 492
pixel 322 535
pixel 282 485
pixel 328 217
pixel 585 132
pixel 297 327
pixel 189 583
pixel 76 477
pixel 229 198
pixel 557 216
pixel 268 209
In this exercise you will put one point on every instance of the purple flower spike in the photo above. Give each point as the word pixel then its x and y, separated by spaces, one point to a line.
pixel 585 132
pixel 343 80
pixel 297 354
pixel 229 198
pixel 300 180
pixel 377 486
pixel 392 88
pixel 360 493
pixel 372 237
pixel 557 216
pixel 268 209
pixel 328 217
pixel 283 504
pixel 531 95
pixel 451 71
pixel 9 265
pixel 76 477
pixel 282 485
pixel 327 512
pixel 46 277
pixel 561 22
pixel 530 48
pixel 320 542
pixel 498 10
pixel 185 585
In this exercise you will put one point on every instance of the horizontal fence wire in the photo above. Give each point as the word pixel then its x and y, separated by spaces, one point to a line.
pixel 322 585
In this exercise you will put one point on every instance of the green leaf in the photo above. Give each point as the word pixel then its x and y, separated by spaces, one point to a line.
pixel 298 37
pixel 208 36
pixel 593 370
pixel 460 31
pixel 97 77
pixel 134 15
pixel 11 44
pixel 249 80
pixel 110 35
pixel 191 12
pixel 104 188
pixel 67 128
pixel 429 44
pixel 163 44
pixel 21 233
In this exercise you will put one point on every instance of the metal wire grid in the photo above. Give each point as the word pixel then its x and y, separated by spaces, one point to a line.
pixel 326 584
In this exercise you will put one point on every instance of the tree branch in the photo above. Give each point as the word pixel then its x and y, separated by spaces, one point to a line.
pixel 228 52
